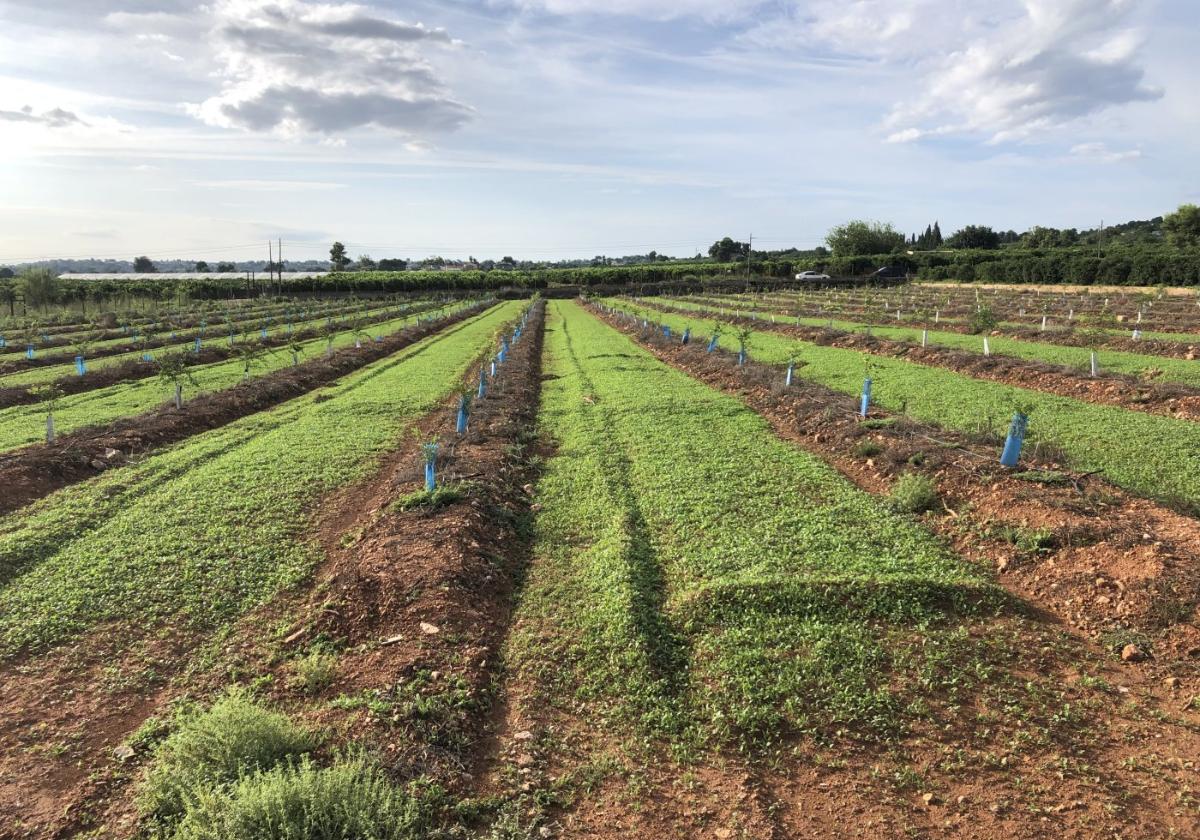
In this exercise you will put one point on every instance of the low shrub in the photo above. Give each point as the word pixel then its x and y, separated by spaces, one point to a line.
pixel 234 737
pixel 867 448
pixel 305 802
pixel 913 493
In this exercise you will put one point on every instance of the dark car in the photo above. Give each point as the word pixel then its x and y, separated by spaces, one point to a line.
pixel 889 272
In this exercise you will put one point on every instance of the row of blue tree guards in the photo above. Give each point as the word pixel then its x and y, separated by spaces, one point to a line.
pixel 430 450
pixel 1017 429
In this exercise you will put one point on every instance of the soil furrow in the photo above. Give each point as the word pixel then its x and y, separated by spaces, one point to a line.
pixel 412 601
pixel 32 472
pixel 1167 399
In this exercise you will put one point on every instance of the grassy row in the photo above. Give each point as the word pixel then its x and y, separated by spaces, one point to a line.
pixel 240 316
pixel 1153 456
pixel 1158 368
pixel 25 424
pixel 1057 324
pixel 735 586
pixel 216 333
pixel 211 527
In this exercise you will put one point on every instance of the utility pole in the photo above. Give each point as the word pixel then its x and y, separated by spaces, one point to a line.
pixel 270 263
pixel 749 254
pixel 1100 246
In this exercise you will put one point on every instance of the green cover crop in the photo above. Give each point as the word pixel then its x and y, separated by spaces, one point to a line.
pixel 1160 368
pixel 1157 457
pixel 218 524
pixel 24 424
pixel 216 334
pixel 696 574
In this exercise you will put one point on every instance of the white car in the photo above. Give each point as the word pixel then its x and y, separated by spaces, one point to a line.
pixel 812 275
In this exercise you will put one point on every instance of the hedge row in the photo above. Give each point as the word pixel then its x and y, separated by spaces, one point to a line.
pixel 1142 267
pixel 1132 269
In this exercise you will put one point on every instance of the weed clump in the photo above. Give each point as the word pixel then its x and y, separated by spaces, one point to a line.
pixel 236 736
pixel 913 493
pixel 867 448
pixel 314 671
pixel 441 496
pixel 1053 478
pixel 305 802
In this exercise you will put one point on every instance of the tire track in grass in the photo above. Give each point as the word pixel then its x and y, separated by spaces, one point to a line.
pixel 664 649
pixel 803 605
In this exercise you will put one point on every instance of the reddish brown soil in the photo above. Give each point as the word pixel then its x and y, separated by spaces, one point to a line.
pixel 388 571
pixel 32 472
pixel 1114 568
pixel 62 718
pixel 1169 399
pixel 1066 337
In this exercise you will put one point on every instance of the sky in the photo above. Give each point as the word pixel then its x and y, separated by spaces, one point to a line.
pixel 548 129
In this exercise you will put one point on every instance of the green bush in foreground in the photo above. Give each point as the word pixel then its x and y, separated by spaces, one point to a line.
pixel 913 493
pixel 235 737
pixel 348 800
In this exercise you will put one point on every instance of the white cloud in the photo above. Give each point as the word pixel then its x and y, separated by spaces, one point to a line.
pixel 994 69
pixel 256 185
pixel 1101 152
pixel 295 67
pixel 649 9
pixel 53 118
pixel 1059 61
